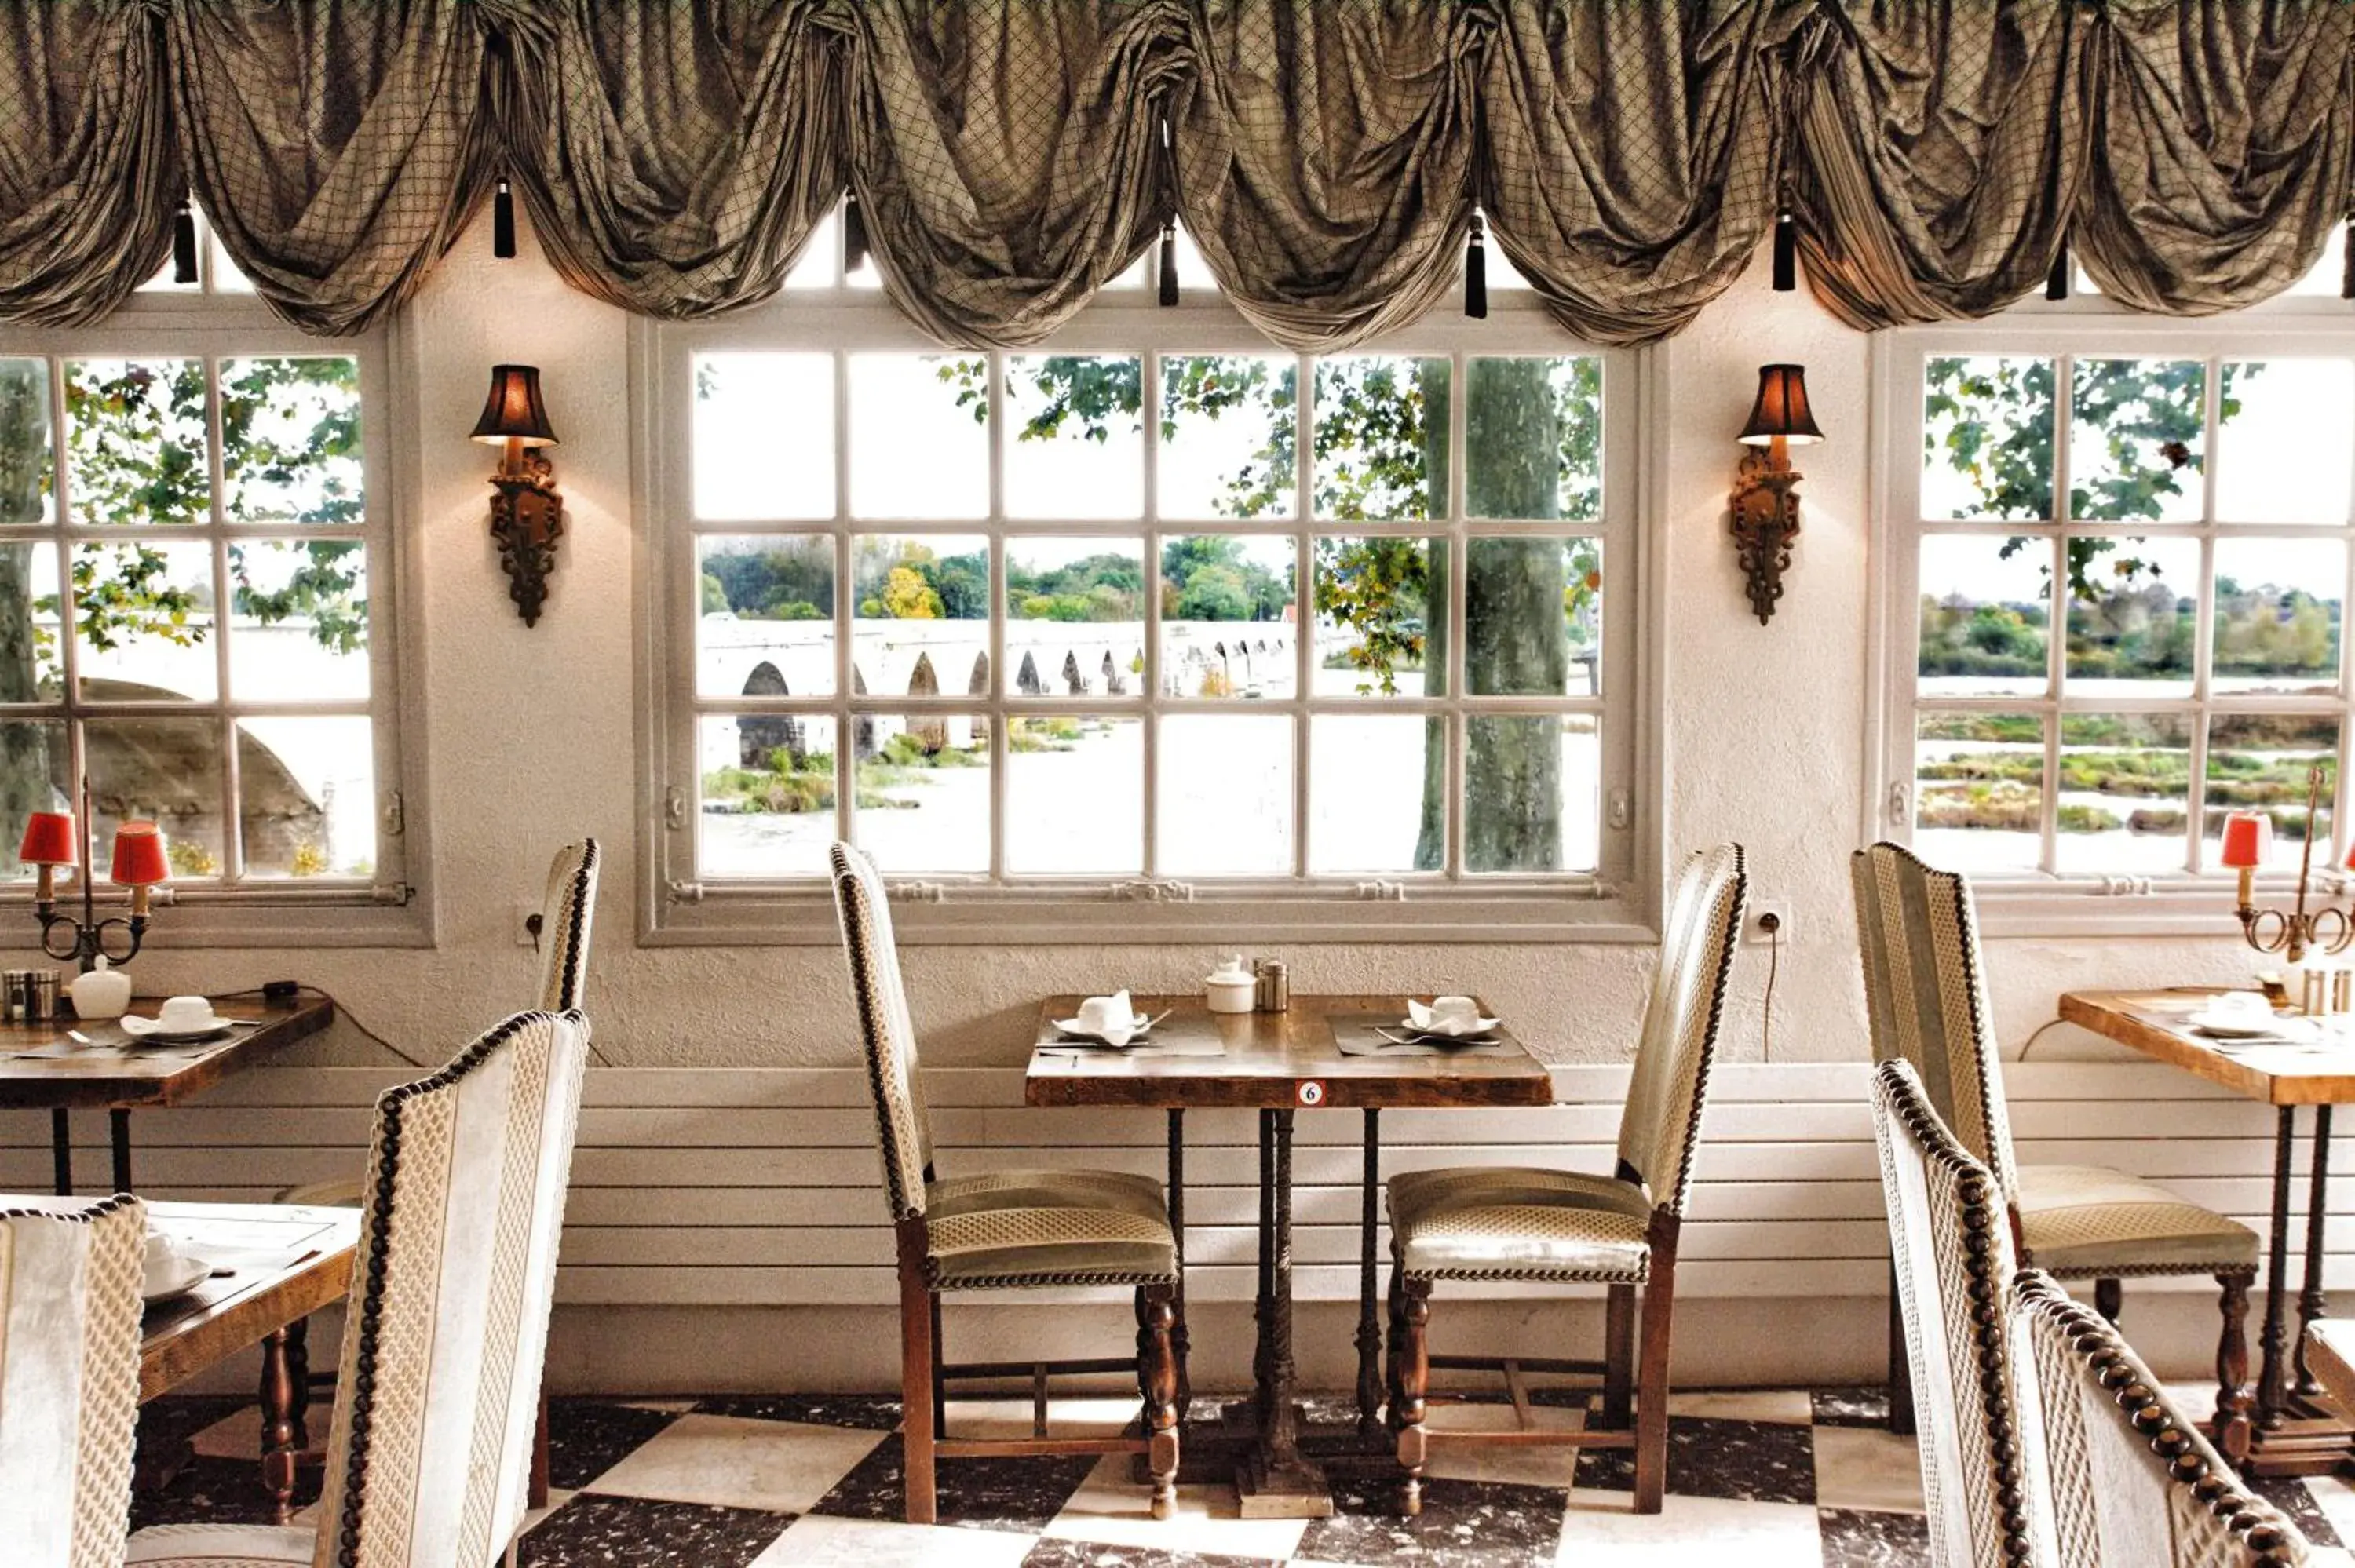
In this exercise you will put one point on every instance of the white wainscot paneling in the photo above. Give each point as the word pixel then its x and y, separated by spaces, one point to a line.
pixel 749 1187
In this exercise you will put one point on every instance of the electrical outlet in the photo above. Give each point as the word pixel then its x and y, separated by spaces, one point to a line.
pixel 525 918
pixel 1769 921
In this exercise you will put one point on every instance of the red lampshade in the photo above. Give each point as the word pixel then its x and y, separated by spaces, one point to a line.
pixel 139 859
pixel 49 840
pixel 1782 407
pixel 514 409
pixel 2248 837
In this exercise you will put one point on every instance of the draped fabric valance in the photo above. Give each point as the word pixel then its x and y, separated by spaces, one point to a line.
pixel 1007 158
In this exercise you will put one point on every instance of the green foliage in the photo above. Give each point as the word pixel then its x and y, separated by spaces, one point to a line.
pixel 777 579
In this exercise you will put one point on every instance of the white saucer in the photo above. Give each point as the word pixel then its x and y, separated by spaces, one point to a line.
pixel 2242 1026
pixel 192 1271
pixel 1072 1029
pixel 154 1029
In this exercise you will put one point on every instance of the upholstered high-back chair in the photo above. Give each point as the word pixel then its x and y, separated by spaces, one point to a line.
pixel 1535 1224
pixel 1925 995
pixel 447 1326
pixel 2131 1481
pixel 1951 1240
pixel 565 915
pixel 69 1379
pixel 1001 1231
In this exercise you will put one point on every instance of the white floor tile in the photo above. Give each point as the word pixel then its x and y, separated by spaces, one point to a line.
pixel 1115 1509
pixel 815 1541
pixel 1522 1466
pixel 1689 1532
pixel 2336 1501
pixel 1785 1406
pixel 728 1461
pixel 1866 1468
pixel 985 1418
pixel 556 1497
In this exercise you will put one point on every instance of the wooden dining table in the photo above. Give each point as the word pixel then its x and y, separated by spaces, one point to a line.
pixel 1321 1053
pixel 2300 1429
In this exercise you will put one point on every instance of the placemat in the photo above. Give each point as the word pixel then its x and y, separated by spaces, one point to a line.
pixel 1356 1035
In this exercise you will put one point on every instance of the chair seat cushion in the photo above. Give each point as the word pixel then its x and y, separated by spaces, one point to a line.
pixel 1520 1222
pixel 222 1546
pixel 2084 1221
pixel 1014 1228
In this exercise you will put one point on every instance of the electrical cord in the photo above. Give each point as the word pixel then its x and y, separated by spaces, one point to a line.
pixel 1771 924
pixel 348 1016
pixel 2042 1031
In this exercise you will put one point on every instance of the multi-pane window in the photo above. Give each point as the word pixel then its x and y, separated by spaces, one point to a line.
pixel 190 552
pixel 1158 610
pixel 2119 560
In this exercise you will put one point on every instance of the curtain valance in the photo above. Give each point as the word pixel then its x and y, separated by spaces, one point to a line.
pixel 1007 158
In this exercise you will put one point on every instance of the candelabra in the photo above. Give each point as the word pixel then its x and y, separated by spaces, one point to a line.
pixel 2290 932
pixel 53 839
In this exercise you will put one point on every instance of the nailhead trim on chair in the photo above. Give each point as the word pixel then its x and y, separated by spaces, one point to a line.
pixel 577 897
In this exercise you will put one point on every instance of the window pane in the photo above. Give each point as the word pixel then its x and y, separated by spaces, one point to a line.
pixel 1374 616
pixel 135 437
pixel 764 620
pixel 2279 420
pixel 299 627
pixel 764 436
pixel 2258 762
pixel 819 253
pixel 1075 796
pixel 1227 617
pixel 919 436
pixel 1533 618
pixel 35 765
pixel 306 796
pixel 2278 614
pixel 767 805
pixel 1985 611
pixel 32 667
pixel 919 615
pixel 1378 416
pixel 2326 278
pixel 2126 790
pixel 1228 437
pixel 1075 443
pixel 1986 437
pixel 1377 793
pixel 1075 617
pixel 923 792
pixel 2138 433
pixel 291 440
pixel 26 480
pixel 143 621
pixel 1979 792
pixel 1533 432
pixel 1532 787
pixel 162 770
pixel 1225 795
pixel 2134 615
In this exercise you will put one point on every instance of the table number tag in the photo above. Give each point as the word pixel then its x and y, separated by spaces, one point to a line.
pixel 1311 1092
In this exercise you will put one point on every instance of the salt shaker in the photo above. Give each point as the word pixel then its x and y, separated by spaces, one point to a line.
pixel 1273 990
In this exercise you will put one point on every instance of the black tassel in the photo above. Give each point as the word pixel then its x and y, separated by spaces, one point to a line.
pixel 184 245
pixel 2347 279
pixel 853 236
pixel 1168 263
pixel 1786 252
pixel 1476 272
pixel 2056 283
pixel 503 223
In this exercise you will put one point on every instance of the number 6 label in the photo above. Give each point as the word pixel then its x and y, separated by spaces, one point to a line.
pixel 1311 1094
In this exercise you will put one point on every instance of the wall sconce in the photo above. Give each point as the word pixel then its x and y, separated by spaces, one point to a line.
pixel 1765 512
pixel 527 514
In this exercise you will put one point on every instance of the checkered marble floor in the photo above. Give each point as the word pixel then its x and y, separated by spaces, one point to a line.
pixel 1786 1479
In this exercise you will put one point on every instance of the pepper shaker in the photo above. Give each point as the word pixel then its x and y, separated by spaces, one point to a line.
pixel 1272 989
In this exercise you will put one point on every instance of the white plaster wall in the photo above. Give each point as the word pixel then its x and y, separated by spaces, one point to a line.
pixel 532 741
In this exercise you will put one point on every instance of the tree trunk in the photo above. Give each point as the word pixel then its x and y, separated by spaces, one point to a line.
pixel 25 761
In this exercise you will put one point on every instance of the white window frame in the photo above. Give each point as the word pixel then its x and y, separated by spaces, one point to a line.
pixel 1617 902
pixel 2033 904
pixel 393 907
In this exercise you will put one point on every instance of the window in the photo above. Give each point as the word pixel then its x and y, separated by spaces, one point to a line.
pixel 2118 554
pixel 194 556
pixel 1322 634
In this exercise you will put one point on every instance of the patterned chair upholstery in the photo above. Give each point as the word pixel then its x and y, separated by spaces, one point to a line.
pixel 1925 992
pixel 1003 1230
pixel 1951 1240
pixel 1524 1223
pixel 69 1379
pixel 2131 1481
pixel 430 1450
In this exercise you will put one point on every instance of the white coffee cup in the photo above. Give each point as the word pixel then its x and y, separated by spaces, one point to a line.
pixel 1455 1012
pixel 185 1012
pixel 2234 1004
pixel 162 1265
pixel 1108 1014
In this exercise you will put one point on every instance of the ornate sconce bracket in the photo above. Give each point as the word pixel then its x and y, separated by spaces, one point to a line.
pixel 1765 524
pixel 527 519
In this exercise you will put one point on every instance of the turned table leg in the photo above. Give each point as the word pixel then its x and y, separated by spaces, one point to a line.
pixel 1180 1341
pixel 1370 1333
pixel 280 1413
pixel 2273 1341
pixel 2310 1302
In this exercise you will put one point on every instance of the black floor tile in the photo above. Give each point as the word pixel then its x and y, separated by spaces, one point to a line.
pixel 1017 1494
pixel 587 1437
pixel 1096 1554
pixel 216 1491
pixel 1851 1407
pixel 861 1412
pixel 2288 1494
pixel 1462 1523
pixel 593 1531
pixel 1856 1538
pixel 1742 1461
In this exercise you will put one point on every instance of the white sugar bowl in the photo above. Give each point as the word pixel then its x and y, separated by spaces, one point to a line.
pixel 103 992
pixel 1230 987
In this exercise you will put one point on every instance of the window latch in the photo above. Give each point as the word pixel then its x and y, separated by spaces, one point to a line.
pixel 675 808
pixel 1901 810
pixel 684 891
pixel 1620 811
pixel 393 818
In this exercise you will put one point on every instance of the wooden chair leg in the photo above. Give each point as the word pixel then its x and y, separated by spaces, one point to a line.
pixel 1157 1323
pixel 917 1353
pixel 1414 1327
pixel 1901 1364
pixel 2234 1401
pixel 940 1379
pixel 1394 1343
pixel 2109 1299
pixel 1652 1384
pixel 1618 1357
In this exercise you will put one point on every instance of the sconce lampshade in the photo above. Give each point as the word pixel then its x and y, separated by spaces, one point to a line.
pixel 49 840
pixel 514 411
pixel 139 859
pixel 1782 407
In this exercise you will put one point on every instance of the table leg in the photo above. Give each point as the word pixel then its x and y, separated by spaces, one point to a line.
pixel 1370 1333
pixel 117 1127
pixel 2310 1302
pixel 1276 1479
pixel 61 1150
pixel 2274 1340
pixel 1180 1341
pixel 278 1418
pixel 1263 1307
